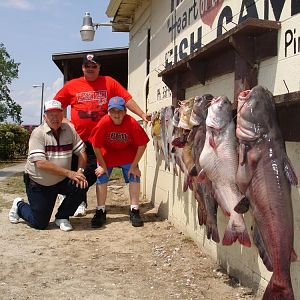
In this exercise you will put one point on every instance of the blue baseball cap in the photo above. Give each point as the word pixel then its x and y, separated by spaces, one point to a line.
pixel 116 102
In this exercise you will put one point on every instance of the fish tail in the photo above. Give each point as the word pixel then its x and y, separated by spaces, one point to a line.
pixel 278 290
pixel 212 232
pixel 231 235
pixel 244 238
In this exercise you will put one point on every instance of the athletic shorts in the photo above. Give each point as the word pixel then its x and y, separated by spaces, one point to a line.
pixel 125 168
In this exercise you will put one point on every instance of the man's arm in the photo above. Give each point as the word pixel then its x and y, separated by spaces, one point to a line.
pixel 82 160
pixel 133 106
pixel 52 168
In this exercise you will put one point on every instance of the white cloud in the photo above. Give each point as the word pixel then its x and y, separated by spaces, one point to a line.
pixel 18 4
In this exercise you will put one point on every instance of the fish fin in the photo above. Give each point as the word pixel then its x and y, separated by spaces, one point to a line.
pixel 278 290
pixel 293 256
pixel 201 176
pixel 201 215
pixel 212 142
pixel 185 184
pixel 243 154
pixel 243 206
pixel 258 241
pixel 190 182
pixel 193 171
pixel 290 172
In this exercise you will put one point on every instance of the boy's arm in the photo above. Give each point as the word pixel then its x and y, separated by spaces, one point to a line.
pixel 102 165
pixel 139 153
pixel 134 170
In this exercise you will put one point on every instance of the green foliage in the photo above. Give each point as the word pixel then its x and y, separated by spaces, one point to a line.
pixel 8 71
pixel 13 141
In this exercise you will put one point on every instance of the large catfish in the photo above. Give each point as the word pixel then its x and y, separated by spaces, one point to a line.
pixel 265 175
pixel 219 161
pixel 207 205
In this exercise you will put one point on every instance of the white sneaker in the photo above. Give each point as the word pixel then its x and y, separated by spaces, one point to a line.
pixel 64 224
pixel 13 215
pixel 81 210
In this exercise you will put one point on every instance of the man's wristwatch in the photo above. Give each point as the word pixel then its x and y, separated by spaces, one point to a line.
pixel 80 170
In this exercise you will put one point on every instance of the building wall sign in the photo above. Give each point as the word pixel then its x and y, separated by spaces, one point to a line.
pixel 208 11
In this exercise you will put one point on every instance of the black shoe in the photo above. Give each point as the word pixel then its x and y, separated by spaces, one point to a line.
pixel 135 218
pixel 99 219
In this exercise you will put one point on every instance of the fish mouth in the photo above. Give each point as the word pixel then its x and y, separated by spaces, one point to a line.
pixel 246 135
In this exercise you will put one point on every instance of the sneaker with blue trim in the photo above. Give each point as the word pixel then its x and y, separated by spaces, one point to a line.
pixel 13 215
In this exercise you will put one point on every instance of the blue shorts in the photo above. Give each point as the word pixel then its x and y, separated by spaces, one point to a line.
pixel 125 168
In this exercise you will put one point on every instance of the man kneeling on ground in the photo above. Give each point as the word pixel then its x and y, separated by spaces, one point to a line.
pixel 48 172
pixel 118 141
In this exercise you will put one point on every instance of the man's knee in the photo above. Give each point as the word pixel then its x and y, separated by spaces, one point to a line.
pixel 39 224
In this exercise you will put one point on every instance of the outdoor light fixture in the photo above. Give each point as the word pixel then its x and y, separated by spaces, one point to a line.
pixel 87 31
pixel 42 99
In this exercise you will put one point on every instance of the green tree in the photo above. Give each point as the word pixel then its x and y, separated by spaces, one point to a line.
pixel 9 70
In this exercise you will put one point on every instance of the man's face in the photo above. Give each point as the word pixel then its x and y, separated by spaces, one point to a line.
pixel 117 115
pixel 90 71
pixel 54 118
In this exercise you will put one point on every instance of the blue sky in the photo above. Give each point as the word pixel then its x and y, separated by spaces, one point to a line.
pixel 32 30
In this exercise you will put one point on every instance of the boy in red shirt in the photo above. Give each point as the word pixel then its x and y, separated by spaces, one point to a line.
pixel 118 141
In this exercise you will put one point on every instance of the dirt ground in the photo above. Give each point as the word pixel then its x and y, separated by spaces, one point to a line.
pixel 117 261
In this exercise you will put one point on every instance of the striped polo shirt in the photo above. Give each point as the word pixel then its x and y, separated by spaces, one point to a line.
pixel 44 146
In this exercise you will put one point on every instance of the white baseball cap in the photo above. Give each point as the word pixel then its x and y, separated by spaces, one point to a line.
pixel 52 105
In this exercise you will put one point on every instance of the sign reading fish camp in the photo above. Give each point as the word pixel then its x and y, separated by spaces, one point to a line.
pixel 202 18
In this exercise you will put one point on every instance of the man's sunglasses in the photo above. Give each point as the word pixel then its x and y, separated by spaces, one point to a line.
pixel 91 66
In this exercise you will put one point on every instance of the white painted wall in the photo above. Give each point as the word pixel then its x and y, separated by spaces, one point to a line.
pixel 164 188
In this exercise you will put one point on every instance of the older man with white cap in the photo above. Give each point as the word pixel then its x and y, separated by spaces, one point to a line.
pixel 48 172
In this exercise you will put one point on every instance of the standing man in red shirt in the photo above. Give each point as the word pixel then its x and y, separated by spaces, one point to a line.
pixel 88 97
pixel 118 141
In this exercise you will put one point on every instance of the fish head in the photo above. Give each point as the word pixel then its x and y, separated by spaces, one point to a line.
pixel 219 113
pixel 256 113
pixel 199 111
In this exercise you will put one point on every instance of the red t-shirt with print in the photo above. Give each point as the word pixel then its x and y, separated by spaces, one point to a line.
pixel 89 101
pixel 118 143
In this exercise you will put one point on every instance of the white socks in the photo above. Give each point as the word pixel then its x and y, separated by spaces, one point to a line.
pixel 101 207
pixel 134 206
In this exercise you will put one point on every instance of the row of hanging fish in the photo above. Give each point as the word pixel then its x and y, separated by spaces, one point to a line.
pixel 237 167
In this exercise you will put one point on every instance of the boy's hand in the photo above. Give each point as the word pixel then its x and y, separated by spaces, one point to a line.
pixel 135 171
pixel 100 171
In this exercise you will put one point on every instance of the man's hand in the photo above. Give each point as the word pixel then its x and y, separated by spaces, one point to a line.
pixel 135 171
pixel 78 178
pixel 146 117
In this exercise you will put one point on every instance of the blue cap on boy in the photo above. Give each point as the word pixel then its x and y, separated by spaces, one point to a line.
pixel 116 102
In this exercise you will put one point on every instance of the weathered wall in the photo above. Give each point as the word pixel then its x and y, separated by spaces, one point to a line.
pixel 161 186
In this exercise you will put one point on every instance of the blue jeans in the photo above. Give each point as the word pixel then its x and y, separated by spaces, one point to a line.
pixel 42 200
pixel 125 168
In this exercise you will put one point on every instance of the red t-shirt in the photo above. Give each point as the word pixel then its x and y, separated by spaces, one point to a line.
pixel 89 101
pixel 118 143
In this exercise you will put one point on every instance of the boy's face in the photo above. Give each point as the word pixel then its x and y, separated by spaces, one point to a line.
pixel 117 115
